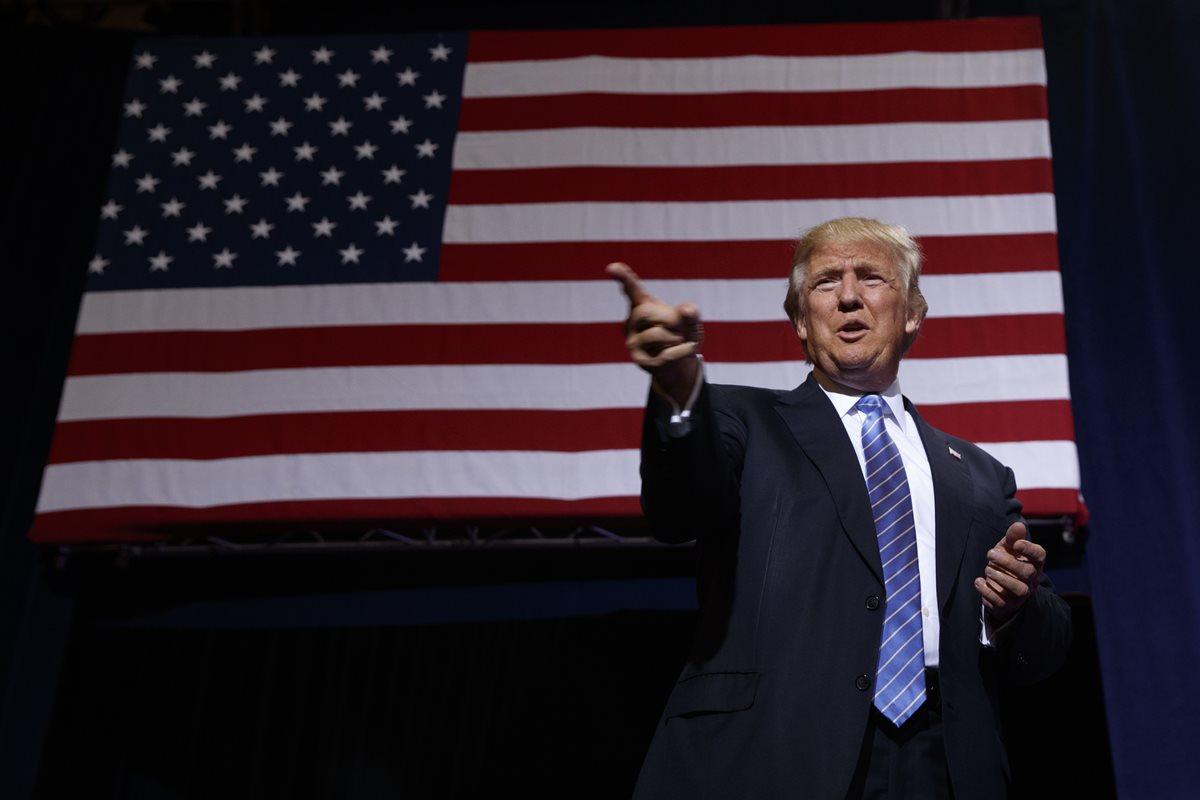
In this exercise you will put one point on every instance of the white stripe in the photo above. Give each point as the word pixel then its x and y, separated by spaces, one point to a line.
pixel 980 380
pixel 535 386
pixel 753 73
pixel 1043 464
pixel 339 476
pixel 564 476
pixel 762 145
pixel 745 220
pixel 249 308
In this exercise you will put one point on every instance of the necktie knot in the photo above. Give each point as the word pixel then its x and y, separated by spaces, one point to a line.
pixel 870 404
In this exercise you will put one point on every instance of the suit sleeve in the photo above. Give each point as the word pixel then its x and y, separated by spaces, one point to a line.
pixel 691 483
pixel 1036 641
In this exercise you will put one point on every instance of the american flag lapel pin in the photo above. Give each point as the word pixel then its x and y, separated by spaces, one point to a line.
pixel 954 452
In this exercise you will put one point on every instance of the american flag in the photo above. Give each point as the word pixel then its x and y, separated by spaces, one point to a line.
pixel 352 280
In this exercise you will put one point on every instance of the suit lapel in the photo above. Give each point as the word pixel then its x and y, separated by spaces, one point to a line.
pixel 817 429
pixel 952 490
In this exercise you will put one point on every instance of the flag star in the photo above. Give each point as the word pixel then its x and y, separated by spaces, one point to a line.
pixel 147 183
pixel 220 130
pixel 96 265
pixel 305 152
pixel 172 207
pixel 323 228
pixel 158 133
pixel 358 201
pixel 145 60
pixel 263 55
pixel 183 157
pixel 110 210
pixel 385 226
pixel 134 108
pixel 413 252
pixel 270 177
pixel 289 78
pixel 401 124
pixel 374 101
pixel 408 77
pixel 365 150
pixel 169 85
pixel 261 229
pixel 287 256
pixel 230 81
pixel 393 174
pixel 280 127
pixel 235 204
pixel 208 180
pixel 122 158
pixel 255 102
pixel 340 127
pixel 351 254
pixel 425 149
pixel 434 99
pixel 314 102
pixel 198 232
pixel 348 78
pixel 420 199
pixel 135 235
pixel 244 153
pixel 439 53
pixel 333 175
pixel 322 55
pixel 159 262
pixel 297 202
pixel 381 55
pixel 194 108
pixel 204 59
pixel 223 259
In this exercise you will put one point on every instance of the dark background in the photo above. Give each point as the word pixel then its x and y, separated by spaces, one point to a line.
pixel 465 669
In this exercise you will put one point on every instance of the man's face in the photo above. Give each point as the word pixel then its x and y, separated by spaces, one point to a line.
pixel 856 319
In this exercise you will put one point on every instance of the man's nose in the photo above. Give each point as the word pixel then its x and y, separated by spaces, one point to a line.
pixel 848 293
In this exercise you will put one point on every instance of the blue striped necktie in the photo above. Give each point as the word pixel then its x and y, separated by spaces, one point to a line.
pixel 900 671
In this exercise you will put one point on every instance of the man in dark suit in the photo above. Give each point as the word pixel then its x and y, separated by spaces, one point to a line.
pixel 865 581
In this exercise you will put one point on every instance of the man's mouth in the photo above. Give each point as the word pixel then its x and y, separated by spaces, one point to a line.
pixel 852 331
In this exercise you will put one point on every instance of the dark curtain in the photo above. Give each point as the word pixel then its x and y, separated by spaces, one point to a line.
pixel 1125 108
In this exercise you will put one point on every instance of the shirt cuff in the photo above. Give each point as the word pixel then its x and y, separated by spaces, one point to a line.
pixel 679 424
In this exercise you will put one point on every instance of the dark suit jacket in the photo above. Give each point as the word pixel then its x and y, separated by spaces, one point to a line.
pixel 772 702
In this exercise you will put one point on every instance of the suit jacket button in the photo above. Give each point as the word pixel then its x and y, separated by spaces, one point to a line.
pixel 872 603
pixel 862 683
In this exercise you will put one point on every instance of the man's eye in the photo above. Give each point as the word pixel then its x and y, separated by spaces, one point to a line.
pixel 825 284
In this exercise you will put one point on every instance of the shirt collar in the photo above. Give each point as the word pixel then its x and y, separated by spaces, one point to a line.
pixel 892 400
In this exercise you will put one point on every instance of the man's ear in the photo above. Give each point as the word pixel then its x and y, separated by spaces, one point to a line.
pixel 801 329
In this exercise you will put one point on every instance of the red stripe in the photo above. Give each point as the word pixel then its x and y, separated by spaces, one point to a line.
pixel 1053 503
pixel 1013 421
pixel 983 104
pixel 144 523
pixel 555 431
pixel 1011 33
pixel 546 343
pixel 782 182
pixel 349 432
pixel 572 261
pixel 141 523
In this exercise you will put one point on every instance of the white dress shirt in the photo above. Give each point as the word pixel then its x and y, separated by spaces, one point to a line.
pixel 903 431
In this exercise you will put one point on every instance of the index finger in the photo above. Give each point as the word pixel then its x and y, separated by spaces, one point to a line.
pixel 629 282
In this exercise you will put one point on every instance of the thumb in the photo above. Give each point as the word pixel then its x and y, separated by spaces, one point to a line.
pixel 1015 533
pixel 693 328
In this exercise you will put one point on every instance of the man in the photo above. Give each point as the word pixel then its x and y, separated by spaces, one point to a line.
pixel 865 581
